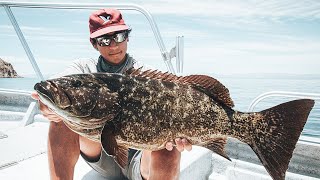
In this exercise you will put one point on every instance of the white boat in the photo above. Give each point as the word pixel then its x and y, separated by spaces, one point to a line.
pixel 23 130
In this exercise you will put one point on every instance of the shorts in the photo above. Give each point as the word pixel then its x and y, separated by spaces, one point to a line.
pixel 107 167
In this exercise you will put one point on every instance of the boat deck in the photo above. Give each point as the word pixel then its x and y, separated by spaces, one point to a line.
pixel 24 151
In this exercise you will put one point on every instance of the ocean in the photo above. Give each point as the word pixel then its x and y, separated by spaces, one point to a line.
pixel 243 90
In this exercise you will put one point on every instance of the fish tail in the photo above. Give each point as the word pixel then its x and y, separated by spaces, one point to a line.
pixel 275 134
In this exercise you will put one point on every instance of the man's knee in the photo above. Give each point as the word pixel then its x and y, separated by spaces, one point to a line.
pixel 166 160
pixel 91 149
pixel 165 155
pixel 164 164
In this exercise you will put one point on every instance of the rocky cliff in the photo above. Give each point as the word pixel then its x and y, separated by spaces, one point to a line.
pixel 6 70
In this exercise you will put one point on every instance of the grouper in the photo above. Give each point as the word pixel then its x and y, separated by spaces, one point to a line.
pixel 144 109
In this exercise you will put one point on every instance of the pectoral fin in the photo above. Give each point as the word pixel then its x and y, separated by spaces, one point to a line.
pixel 110 146
pixel 217 146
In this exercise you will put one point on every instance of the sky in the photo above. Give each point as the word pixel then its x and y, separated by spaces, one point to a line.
pixel 220 36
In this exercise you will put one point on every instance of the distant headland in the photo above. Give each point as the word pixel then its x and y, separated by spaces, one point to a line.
pixel 7 70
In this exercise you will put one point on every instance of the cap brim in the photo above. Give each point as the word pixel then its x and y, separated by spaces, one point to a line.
pixel 108 30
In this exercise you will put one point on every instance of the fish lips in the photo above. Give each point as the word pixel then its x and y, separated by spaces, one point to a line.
pixel 53 93
pixel 40 88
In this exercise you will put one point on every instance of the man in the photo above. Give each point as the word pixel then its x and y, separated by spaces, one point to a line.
pixel 109 36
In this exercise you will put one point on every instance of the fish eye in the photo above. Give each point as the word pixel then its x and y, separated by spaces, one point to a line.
pixel 77 83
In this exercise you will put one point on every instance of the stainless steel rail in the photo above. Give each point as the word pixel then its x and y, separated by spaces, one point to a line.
pixel 314 96
pixel 14 91
pixel 179 54
pixel 7 5
pixel 23 42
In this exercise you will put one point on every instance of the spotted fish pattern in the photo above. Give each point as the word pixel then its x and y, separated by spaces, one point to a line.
pixel 145 109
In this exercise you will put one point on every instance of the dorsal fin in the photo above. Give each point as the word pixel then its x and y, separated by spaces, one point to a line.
pixel 133 71
pixel 203 83
pixel 211 87
pixel 152 74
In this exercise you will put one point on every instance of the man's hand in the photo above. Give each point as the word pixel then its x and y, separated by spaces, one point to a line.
pixel 180 143
pixel 46 112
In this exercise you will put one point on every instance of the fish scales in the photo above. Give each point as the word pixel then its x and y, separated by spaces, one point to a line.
pixel 145 109
pixel 172 110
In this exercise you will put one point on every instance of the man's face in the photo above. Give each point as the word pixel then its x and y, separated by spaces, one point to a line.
pixel 115 52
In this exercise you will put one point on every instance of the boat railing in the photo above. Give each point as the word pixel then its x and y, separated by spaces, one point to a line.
pixel 287 94
pixel 19 101
pixel 167 56
pixel 15 91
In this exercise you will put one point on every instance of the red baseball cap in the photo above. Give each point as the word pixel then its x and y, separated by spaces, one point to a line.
pixel 105 21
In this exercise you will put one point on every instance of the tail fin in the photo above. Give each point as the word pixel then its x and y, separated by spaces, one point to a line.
pixel 276 132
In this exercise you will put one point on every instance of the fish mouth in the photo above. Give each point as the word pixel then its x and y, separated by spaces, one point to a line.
pixel 44 92
pixel 57 99
pixel 47 97
pixel 49 92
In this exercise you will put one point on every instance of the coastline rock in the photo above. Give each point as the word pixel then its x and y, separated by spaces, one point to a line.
pixel 7 70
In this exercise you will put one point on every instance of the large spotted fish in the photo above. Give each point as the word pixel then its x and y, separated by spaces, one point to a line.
pixel 143 110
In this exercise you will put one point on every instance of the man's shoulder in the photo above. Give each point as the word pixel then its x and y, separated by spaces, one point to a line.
pixel 88 65
pixel 131 63
pixel 139 64
pixel 85 62
pixel 79 66
pixel 143 66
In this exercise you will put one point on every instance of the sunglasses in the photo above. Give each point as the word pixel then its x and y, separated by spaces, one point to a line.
pixel 106 40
